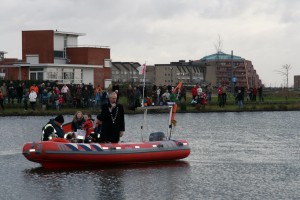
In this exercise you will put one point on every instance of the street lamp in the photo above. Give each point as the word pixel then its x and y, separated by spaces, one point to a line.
pixel 233 77
pixel 171 68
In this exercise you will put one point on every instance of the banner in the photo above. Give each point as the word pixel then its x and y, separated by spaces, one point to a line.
pixel 142 69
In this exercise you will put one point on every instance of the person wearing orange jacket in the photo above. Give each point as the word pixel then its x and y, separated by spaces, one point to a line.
pixel 35 88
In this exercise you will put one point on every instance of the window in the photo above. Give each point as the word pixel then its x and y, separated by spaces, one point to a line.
pixel 65 41
pixel 68 75
pixel 58 54
pixel 107 63
pixel 34 76
pixel 52 75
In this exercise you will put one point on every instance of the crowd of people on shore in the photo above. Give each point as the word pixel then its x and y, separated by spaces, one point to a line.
pixel 203 95
pixel 158 95
pixel 56 96
pixel 52 95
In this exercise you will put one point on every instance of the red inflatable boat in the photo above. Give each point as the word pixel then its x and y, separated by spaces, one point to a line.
pixel 61 153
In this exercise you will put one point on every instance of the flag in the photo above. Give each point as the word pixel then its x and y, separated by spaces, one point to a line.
pixel 142 69
pixel 178 87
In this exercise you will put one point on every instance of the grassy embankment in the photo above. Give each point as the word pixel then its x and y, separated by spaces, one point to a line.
pixel 274 102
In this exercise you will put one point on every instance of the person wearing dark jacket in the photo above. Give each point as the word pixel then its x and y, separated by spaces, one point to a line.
pixel 19 93
pixel 53 129
pixel 112 118
pixel 239 99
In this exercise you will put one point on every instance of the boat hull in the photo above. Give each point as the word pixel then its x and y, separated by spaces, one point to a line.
pixel 63 154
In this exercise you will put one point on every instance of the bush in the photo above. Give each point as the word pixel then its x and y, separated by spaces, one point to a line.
pixel 183 106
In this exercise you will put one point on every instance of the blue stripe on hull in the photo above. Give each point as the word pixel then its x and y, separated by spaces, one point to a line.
pixel 96 147
pixel 72 147
pixel 85 147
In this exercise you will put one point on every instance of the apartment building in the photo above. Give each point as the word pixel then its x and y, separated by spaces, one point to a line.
pixel 56 55
pixel 170 74
pixel 128 73
pixel 230 69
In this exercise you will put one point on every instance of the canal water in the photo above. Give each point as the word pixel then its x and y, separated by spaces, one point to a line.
pixel 245 155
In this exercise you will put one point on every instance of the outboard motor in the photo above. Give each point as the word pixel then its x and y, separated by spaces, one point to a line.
pixel 157 136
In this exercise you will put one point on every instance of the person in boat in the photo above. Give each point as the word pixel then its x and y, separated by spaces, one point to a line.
pixel 93 134
pixel 78 121
pixel 112 118
pixel 88 124
pixel 53 129
pixel 98 126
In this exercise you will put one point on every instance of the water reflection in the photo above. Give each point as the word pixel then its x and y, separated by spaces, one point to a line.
pixel 108 182
pixel 148 165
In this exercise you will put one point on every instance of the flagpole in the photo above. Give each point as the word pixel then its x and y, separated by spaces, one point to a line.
pixel 145 69
pixel 178 94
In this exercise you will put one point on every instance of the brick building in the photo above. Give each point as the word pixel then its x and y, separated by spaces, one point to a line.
pixel 7 69
pixel 224 68
pixel 55 55
pixel 297 82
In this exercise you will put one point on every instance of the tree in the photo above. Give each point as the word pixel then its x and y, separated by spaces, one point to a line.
pixel 218 45
pixel 285 73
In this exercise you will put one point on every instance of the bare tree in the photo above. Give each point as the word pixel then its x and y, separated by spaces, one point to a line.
pixel 218 45
pixel 285 73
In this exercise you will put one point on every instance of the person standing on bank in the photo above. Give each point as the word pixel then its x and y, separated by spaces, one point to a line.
pixel 25 99
pixel 32 99
pixel 112 118
pixel 1 100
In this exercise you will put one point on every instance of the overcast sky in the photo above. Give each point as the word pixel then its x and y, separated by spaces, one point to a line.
pixel 267 32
